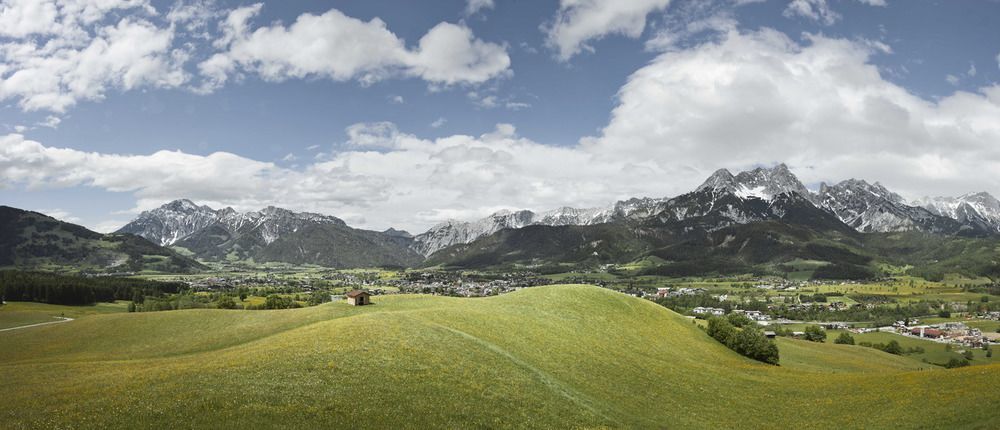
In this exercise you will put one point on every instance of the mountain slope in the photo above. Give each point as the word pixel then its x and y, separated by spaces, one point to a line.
pixel 271 234
pixel 979 209
pixel 872 208
pixel 546 357
pixel 457 232
pixel 33 240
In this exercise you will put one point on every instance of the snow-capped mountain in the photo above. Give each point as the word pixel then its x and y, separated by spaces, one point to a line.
pixel 179 219
pixel 171 222
pixel 873 208
pixel 981 209
pixel 270 234
pixel 454 232
pixel 760 194
pixel 762 183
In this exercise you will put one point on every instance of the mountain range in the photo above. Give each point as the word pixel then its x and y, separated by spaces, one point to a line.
pixel 271 234
pixel 771 215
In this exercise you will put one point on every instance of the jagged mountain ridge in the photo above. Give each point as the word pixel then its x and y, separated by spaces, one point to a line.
pixel 270 234
pixel 455 232
pixel 974 208
pixel 723 200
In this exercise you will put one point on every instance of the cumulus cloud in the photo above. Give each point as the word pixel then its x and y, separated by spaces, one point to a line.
pixel 390 178
pixel 816 10
pixel 881 3
pixel 820 106
pixel 580 21
pixel 55 53
pixel 474 6
pixel 341 48
pixel 744 99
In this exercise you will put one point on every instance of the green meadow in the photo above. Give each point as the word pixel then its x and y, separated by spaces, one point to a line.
pixel 546 357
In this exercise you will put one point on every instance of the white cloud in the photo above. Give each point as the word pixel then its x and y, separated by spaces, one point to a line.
pixel 382 135
pixel 952 79
pixel 740 100
pixel 58 52
pixel 60 214
pixel 820 106
pixel 341 48
pixel 474 6
pixel 397 100
pixel 50 121
pixel 439 122
pixel 881 3
pixel 517 105
pixel 816 10
pixel 108 226
pixel 580 21
pixel 972 70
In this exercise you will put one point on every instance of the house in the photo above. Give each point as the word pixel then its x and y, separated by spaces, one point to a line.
pixel 710 311
pixel 770 334
pixel 359 298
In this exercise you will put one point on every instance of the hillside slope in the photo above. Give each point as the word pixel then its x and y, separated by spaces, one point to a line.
pixel 30 240
pixel 545 357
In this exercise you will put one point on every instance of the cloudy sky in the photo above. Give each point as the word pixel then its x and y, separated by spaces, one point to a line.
pixel 404 114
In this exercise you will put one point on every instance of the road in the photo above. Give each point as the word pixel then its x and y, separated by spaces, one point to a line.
pixel 61 320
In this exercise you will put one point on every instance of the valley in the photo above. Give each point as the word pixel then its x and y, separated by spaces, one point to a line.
pixel 747 300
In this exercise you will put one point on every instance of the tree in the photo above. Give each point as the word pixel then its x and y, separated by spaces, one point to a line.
pixel 721 330
pixel 954 362
pixel 131 306
pixel 815 333
pixel 845 338
pixel 989 352
pixel 968 354
pixel 739 320
pixel 893 348
pixel 226 302
pixel 944 313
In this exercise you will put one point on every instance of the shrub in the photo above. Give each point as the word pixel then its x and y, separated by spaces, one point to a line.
pixel 845 338
pixel 226 302
pixel 739 320
pixel 750 341
pixel 893 348
pixel 955 362
pixel 815 333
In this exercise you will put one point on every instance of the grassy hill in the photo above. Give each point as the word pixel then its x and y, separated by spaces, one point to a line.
pixel 545 357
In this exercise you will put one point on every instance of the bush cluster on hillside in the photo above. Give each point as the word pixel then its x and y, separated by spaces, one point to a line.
pixel 748 340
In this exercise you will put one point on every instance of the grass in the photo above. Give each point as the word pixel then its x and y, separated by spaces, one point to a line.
pixel 934 352
pixel 15 314
pixel 545 357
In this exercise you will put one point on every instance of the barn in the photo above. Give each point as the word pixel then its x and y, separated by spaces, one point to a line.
pixel 359 298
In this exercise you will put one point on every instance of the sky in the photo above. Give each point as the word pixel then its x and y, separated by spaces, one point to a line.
pixel 405 114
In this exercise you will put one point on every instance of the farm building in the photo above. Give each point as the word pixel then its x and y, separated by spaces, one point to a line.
pixel 358 298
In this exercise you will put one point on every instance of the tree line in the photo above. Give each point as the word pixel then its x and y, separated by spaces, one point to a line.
pixel 56 289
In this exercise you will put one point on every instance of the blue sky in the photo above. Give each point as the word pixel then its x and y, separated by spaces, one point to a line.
pixel 554 103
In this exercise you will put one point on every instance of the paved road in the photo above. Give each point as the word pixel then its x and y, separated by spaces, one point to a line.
pixel 61 320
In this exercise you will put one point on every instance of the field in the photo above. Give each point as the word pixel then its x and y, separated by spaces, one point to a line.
pixel 934 352
pixel 545 357
pixel 15 314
